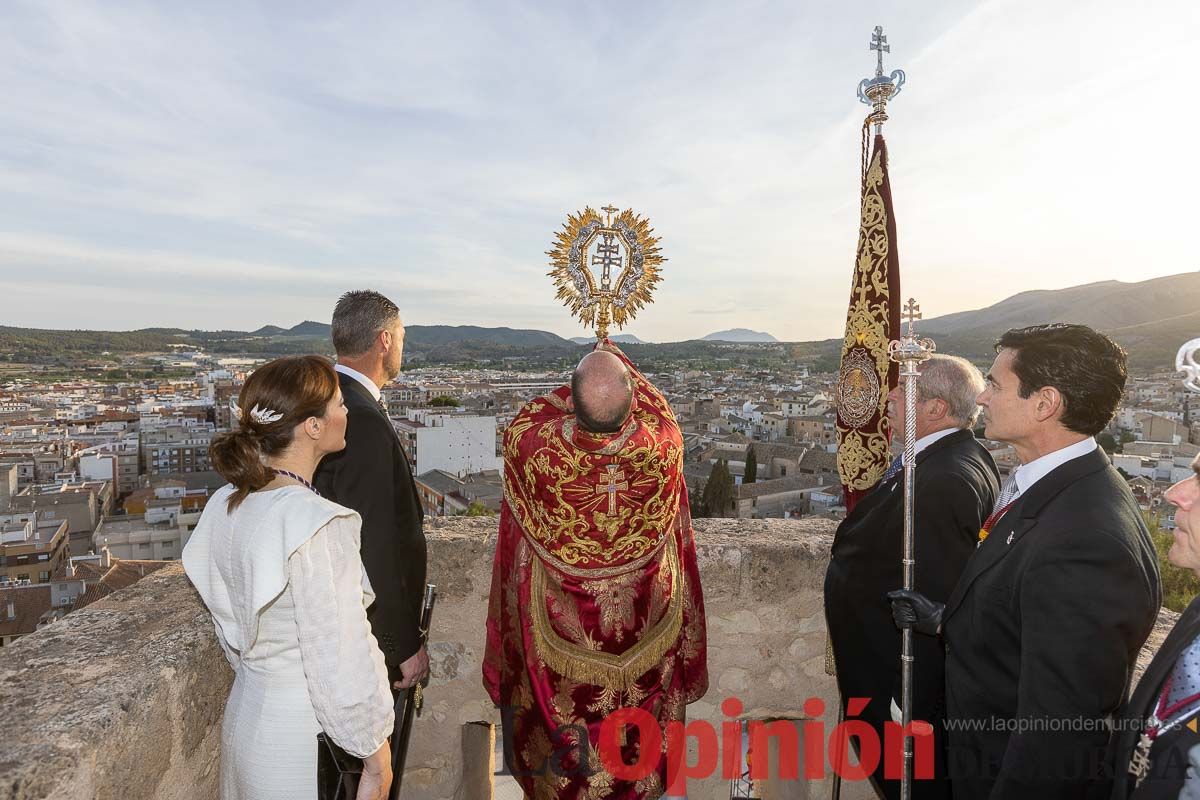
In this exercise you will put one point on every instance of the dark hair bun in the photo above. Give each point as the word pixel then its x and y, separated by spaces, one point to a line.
pixel 289 390
pixel 238 456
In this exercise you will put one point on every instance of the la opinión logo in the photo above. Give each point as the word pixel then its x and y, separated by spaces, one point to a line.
pixel 722 751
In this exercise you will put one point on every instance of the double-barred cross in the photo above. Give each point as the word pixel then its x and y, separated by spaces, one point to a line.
pixel 912 313
pixel 613 481
pixel 608 255
pixel 879 44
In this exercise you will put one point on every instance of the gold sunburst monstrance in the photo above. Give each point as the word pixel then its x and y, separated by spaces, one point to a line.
pixel 626 254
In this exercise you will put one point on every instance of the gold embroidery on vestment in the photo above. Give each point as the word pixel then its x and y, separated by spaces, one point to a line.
pixel 617 670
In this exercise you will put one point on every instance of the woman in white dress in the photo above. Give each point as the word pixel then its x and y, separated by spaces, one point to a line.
pixel 279 568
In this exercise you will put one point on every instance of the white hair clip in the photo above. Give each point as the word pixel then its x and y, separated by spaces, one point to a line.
pixel 263 416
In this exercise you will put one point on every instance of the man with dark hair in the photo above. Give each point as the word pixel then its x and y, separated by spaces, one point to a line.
pixel 596 602
pixel 956 484
pixel 373 477
pixel 1044 627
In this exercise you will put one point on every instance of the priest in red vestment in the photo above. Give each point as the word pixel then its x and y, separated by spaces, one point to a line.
pixel 596 602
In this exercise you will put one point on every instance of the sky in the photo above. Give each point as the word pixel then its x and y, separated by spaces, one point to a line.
pixel 229 165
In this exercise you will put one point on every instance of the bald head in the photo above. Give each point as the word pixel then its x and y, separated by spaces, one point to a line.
pixel 602 392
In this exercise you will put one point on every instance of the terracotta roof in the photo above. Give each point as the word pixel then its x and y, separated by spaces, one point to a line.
pixel 121 574
pixel 29 603
pixel 793 483
pixel 820 460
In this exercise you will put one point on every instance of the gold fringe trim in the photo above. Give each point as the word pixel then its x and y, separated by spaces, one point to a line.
pixel 611 670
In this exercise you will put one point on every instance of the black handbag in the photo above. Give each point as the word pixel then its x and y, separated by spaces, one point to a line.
pixel 338 772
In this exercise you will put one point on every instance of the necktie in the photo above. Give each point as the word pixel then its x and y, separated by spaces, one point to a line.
pixel 893 468
pixel 1008 493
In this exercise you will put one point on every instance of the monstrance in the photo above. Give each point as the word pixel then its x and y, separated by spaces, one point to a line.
pixel 605 267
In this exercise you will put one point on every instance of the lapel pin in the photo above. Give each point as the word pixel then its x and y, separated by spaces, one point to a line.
pixel 1009 539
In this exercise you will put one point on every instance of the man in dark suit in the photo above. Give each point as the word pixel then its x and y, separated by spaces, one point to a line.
pixel 956 483
pixel 1169 689
pixel 1044 626
pixel 373 477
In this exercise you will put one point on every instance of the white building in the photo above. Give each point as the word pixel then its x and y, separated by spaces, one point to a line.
pixel 148 537
pixel 456 443
pixel 1163 468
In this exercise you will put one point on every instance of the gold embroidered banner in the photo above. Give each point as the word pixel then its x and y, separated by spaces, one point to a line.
pixel 866 374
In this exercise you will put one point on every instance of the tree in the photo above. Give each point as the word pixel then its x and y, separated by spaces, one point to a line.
pixel 441 401
pixel 751 472
pixel 476 509
pixel 1107 441
pixel 718 492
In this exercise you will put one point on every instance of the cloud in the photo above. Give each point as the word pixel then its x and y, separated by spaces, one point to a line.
pixel 186 152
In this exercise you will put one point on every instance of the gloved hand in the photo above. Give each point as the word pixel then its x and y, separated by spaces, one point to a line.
pixel 914 610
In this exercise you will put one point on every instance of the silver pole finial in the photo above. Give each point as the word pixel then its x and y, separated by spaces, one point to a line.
pixel 877 91
pixel 1185 362
pixel 909 351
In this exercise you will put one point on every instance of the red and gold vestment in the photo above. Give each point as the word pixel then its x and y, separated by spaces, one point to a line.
pixel 595 599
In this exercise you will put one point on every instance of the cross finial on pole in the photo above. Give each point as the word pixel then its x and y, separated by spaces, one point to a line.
pixel 877 91
pixel 912 312
pixel 609 211
pixel 879 44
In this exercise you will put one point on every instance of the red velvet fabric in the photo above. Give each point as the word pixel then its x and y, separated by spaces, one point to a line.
pixel 606 571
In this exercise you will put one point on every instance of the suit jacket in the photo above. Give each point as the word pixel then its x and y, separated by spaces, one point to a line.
pixel 1169 755
pixel 372 477
pixel 1042 632
pixel 956 485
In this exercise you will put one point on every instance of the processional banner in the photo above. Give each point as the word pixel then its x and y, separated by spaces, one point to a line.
pixel 866 374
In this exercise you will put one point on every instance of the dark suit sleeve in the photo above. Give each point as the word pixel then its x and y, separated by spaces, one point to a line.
pixel 947 517
pixel 364 477
pixel 1083 612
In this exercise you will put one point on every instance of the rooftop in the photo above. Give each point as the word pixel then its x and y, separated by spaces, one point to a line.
pixel 145 682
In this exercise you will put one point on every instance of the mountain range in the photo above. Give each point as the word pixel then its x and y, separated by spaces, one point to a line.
pixel 1151 319
pixel 739 335
pixel 619 338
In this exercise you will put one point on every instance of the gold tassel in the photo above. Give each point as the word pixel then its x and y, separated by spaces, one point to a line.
pixel 617 671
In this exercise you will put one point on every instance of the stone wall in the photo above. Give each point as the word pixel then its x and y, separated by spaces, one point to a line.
pixel 762 584
pixel 124 698
pixel 120 700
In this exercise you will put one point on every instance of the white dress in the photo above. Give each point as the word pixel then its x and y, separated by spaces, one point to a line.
pixel 286 587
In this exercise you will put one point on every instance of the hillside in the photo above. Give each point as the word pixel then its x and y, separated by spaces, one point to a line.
pixel 619 338
pixel 739 335
pixel 1151 319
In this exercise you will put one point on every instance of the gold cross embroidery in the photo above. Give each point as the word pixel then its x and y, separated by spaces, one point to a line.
pixel 613 482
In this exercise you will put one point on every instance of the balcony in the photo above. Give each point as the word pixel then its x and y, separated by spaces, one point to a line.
pixel 124 699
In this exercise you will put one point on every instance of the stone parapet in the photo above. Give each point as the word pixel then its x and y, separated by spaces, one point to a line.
pixel 124 699
pixel 120 700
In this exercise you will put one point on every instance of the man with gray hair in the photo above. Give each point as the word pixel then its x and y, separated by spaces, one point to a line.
pixel 956 484
pixel 373 477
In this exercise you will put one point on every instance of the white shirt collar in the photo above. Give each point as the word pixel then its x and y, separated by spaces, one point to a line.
pixel 930 438
pixel 363 379
pixel 1034 471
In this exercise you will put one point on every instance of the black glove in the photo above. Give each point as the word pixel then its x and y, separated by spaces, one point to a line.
pixel 914 610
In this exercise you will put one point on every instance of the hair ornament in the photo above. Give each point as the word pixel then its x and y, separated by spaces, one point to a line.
pixel 260 415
